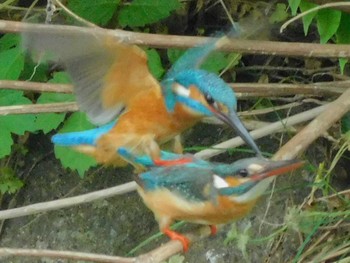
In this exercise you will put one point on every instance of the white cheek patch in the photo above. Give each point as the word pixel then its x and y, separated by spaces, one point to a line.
pixel 255 167
pixel 181 90
pixel 219 182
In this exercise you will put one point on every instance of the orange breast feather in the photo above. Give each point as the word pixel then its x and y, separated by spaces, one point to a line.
pixel 168 207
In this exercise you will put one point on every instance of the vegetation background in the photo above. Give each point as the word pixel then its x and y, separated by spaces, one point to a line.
pixel 305 210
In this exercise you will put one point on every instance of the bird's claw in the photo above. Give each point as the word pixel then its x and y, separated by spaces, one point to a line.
pixel 213 230
pixel 176 236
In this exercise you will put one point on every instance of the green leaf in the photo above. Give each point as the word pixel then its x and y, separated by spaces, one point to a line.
pixel 99 12
pixel 17 124
pixel 294 4
pixel 9 183
pixel 60 78
pixel 143 12
pixel 11 63
pixel 328 21
pixel 174 54
pixel 307 19
pixel 342 64
pixel 343 33
pixel 280 14
pixel 216 62
pixel 8 41
pixel 68 157
pixel 154 63
pixel 5 142
pixel 345 123
pixel 50 121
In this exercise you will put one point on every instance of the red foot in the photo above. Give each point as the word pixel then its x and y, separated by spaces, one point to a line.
pixel 176 236
pixel 159 162
pixel 213 229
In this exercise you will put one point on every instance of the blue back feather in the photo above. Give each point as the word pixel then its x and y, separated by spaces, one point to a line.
pixel 88 137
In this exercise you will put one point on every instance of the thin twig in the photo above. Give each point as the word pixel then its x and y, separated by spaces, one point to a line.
pixel 39 108
pixel 35 86
pixel 265 89
pixel 167 41
pixel 61 254
pixel 315 9
pixel 317 127
pixel 67 202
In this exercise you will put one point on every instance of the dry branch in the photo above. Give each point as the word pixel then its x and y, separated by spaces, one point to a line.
pixel 167 41
pixel 35 86
pixel 39 108
pixel 243 90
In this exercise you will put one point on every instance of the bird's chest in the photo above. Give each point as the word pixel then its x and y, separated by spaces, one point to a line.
pixel 148 115
pixel 165 204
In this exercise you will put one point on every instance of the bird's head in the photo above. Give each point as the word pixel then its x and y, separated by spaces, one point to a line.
pixel 206 94
pixel 250 178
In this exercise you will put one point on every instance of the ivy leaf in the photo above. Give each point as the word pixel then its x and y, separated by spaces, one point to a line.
pixel 154 63
pixel 328 21
pixel 5 142
pixel 17 124
pixel 343 33
pixel 174 54
pixel 11 63
pixel 294 4
pixel 216 62
pixel 143 12
pixel 280 14
pixel 8 41
pixel 307 19
pixel 50 121
pixel 68 157
pixel 98 12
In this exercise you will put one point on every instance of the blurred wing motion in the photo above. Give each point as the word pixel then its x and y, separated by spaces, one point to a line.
pixel 107 74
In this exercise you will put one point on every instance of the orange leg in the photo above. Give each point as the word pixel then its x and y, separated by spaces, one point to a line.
pixel 160 162
pixel 213 230
pixel 176 236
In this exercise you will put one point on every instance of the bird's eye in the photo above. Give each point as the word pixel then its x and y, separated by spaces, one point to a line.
pixel 209 99
pixel 243 172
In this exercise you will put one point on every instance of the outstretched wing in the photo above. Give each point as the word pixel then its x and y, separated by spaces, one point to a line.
pixel 107 74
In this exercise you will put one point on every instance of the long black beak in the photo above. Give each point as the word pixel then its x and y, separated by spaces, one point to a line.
pixel 232 120
pixel 274 168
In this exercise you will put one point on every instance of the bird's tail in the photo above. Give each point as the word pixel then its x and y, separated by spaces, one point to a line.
pixel 88 137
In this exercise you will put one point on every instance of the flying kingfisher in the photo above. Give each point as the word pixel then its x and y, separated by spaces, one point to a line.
pixel 114 86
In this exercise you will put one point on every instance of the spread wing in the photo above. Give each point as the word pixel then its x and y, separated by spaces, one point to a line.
pixel 106 73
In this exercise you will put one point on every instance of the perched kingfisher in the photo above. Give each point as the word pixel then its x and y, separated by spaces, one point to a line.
pixel 205 192
pixel 114 87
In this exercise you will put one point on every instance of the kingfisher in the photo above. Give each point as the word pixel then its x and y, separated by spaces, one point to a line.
pixel 114 86
pixel 205 192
